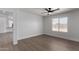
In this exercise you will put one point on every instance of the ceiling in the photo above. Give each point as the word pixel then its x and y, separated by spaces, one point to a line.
pixel 39 11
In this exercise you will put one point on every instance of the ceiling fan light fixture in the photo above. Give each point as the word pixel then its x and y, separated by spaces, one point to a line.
pixel 49 13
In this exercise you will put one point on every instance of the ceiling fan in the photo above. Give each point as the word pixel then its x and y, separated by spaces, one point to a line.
pixel 49 11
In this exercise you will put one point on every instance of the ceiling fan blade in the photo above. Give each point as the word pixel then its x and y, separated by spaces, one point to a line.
pixel 46 9
pixel 55 9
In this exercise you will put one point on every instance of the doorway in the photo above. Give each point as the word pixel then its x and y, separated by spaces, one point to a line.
pixel 6 30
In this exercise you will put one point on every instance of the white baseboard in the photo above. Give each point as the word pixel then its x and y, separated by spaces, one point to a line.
pixel 68 38
pixel 29 36
pixel 74 39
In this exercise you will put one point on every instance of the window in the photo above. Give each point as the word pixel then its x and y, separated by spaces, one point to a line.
pixel 60 24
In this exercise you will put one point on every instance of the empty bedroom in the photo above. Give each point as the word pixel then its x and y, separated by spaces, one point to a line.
pixel 43 29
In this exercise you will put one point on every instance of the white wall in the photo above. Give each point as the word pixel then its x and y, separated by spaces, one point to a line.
pixel 73 26
pixel 3 23
pixel 28 25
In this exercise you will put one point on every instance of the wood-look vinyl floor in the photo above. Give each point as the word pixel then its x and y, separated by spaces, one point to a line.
pixel 38 43
pixel 47 43
pixel 6 41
